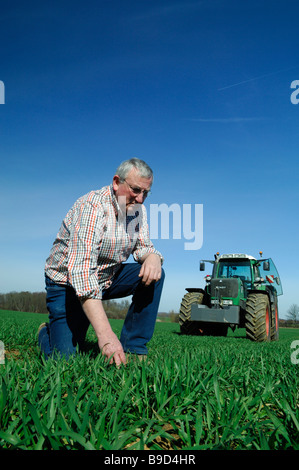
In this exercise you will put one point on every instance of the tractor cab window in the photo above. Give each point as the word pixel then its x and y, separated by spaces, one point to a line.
pixel 232 269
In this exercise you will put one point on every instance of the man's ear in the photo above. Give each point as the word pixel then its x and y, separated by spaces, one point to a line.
pixel 115 182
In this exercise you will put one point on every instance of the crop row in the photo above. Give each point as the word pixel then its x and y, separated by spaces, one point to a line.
pixel 192 393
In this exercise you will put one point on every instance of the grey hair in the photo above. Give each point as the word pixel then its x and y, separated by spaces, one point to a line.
pixel 143 169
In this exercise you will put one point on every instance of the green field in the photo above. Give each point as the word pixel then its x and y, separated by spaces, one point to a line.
pixel 192 393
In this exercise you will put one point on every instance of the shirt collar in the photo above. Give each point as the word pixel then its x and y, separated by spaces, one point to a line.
pixel 114 200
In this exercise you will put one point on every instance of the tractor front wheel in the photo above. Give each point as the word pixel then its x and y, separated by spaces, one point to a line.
pixel 258 317
pixel 190 327
pixel 187 326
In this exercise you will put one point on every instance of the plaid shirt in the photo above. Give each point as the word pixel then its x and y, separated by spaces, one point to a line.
pixel 95 237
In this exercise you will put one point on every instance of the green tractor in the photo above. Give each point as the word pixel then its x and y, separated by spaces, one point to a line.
pixel 241 292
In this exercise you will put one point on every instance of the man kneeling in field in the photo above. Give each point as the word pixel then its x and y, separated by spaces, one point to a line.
pixel 86 265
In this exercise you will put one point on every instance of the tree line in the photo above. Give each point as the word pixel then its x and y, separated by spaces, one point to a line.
pixel 35 302
pixel 293 315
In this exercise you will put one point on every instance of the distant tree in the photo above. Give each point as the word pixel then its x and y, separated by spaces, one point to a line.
pixel 293 313
pixel 116 309
pixel 34 302
pixel 173 316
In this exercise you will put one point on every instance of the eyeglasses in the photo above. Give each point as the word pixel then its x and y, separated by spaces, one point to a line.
pixel 138 191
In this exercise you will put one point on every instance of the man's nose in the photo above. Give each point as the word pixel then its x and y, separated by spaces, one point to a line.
pixel 140 198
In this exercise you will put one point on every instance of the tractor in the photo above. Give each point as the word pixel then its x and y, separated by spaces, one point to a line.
pixel 241 292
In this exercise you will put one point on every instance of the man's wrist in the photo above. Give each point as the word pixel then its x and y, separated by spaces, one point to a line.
pixel 160 257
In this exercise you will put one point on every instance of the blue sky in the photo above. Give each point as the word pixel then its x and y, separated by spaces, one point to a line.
pixel 198 89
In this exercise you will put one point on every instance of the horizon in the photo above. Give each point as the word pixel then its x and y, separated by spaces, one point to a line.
pixel 206 93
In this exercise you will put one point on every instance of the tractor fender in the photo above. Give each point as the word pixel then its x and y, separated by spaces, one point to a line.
pixel 195 289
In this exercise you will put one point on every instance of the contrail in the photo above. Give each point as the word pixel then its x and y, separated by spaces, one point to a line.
pixel 228 120
pixel 256 78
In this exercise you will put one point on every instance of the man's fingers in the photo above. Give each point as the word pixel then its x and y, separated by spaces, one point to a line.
pixel 150 276
pixel 119 359
pixel 116 359
pixel 114 353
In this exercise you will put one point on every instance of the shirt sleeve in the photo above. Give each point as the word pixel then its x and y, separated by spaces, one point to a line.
pixel 144 245
pixel 85 235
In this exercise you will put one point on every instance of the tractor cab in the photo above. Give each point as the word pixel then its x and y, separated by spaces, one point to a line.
pixel 241 291
pixel 251 271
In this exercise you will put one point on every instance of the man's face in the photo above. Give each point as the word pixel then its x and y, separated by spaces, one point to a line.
pixel 130 187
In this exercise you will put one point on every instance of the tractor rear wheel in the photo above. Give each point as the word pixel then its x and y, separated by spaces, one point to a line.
pixel 274 322
pixel 258 317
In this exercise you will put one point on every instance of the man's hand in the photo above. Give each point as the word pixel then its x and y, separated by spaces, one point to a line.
pixel 108 342
pixel 112 349
pixel 151 269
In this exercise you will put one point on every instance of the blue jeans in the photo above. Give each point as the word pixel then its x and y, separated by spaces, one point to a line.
pixel 68 323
